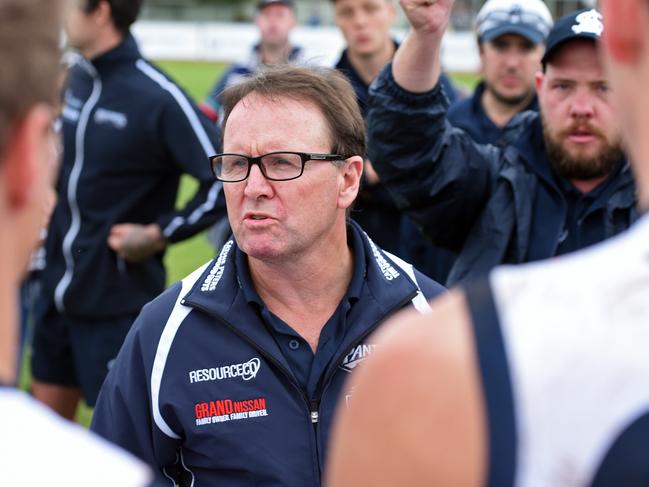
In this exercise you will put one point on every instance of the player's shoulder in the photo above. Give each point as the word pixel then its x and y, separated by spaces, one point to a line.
pixel 151 82
pixel 161 307
pixel 594 286
pixel 601 269
pixel 438 340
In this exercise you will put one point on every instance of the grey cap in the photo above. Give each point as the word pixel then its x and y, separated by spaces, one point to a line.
pixel 528 18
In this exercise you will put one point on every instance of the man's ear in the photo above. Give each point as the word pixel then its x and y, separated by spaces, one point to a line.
pixel 27 146
pixel 351 177
pixel 103 14
pixel 538 81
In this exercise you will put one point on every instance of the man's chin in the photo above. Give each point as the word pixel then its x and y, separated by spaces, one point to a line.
pixel 582 152
pixel 510 96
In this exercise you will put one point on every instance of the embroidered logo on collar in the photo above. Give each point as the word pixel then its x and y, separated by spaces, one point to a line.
pixel 356 355
pixel 220 411
pixel 246 370
pixel 213 278
pixel 589 22
pixel 388 271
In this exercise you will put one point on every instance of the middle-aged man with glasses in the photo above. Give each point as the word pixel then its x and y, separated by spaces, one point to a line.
pixel 231 377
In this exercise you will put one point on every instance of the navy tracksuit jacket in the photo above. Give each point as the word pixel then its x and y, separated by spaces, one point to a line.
pixel 129 134
pixel 202 390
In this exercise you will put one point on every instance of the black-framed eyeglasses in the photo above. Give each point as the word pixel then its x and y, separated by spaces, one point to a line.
pixel 275 166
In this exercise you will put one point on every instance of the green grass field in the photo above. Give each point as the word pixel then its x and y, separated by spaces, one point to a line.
pixel 196 78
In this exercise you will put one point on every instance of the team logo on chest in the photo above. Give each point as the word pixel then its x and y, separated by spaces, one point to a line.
pixel 356 355
pixel 112 118
pixel 222 410
pixel 245 371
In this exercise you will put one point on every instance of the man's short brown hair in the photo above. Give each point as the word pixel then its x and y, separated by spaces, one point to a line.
pixel 326 88
pixel 30 58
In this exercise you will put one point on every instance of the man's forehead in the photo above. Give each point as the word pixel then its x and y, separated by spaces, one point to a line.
pixel 576 53
pixel 582 61
pixel 274 101
pixel 512 38
pixel 341 3
pixel 256 107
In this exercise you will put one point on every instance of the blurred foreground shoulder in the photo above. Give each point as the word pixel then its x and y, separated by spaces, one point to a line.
pixel 415 416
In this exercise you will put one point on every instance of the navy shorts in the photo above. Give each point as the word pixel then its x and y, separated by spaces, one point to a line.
pixel 76 352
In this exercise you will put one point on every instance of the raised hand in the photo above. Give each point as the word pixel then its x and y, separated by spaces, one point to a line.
pixel 428 16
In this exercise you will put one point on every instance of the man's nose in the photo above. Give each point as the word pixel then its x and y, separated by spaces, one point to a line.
pixel 582 104
pixel 256 184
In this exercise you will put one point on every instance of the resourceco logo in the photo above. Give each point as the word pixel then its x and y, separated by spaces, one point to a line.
pixel 246 370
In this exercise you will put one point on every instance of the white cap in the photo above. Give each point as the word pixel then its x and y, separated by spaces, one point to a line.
pixel 529 18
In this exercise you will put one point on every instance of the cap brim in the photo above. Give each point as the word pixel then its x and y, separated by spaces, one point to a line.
pixel 531 35
pixel 263 5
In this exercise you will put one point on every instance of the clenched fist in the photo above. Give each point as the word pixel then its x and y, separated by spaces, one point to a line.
pixel 429 16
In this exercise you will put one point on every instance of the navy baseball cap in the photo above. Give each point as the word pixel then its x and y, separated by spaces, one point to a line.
pixel 530 19
pixel 582 24
pixel 267 3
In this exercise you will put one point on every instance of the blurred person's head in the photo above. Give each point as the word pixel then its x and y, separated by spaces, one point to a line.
pixel 365 24
pixel 93 24
pixel 29 45
pixel 626 49
pixel 295 109
pixel 275 19
pixel 511 34
pixel 581 127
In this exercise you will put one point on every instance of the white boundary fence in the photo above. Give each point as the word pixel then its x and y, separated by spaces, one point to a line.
pixel 227 42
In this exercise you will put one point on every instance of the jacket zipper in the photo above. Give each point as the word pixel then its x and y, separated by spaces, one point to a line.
pixel 315 404
pixel 312 404
pixel 73 181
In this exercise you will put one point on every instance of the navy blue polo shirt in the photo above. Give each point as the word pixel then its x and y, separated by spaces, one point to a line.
pixel 307 367
pixel 469 115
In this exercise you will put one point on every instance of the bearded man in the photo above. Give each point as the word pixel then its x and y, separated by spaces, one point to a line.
pixel 557 182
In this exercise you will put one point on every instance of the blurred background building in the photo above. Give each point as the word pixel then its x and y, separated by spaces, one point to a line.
pixel 310 12
pixel 223 31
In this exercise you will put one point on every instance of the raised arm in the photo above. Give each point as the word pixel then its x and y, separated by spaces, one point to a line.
pixel 417 66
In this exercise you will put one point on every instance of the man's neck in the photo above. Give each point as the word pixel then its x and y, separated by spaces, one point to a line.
pixel 585 186
pixel 305 291
pixel 104 43
pixel 8 323
pixel 369 66
pixel 273 55
pixel 501 113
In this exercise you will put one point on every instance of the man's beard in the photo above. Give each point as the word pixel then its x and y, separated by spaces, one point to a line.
pixel 581 167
